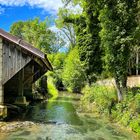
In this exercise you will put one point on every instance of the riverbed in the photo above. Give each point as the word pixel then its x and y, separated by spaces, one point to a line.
pixel 58 119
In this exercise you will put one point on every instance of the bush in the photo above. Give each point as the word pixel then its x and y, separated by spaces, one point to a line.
pixel 100 96
pixel 135 124
pixel 73 75
pixel 57 60
pixel 51 88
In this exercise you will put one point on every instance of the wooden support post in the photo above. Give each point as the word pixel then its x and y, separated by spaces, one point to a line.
pixel 21 99
pixel 21 84
pixel 3 109
pixel 33 84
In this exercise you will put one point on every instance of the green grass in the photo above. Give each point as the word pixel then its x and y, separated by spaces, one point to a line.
pixel 97 98
pixel 52 89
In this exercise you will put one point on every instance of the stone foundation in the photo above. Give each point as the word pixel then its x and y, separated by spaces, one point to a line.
pixel 21 101
pixel 3 111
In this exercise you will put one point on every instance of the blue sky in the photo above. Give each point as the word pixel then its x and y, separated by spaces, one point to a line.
pixel 15 10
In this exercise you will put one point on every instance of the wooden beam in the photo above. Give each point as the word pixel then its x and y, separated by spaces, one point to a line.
pixel 38 61
pixel 20 81
pixel 25 81
pixel 1 74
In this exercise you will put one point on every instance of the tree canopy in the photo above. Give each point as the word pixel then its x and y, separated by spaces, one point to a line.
pixel 38 34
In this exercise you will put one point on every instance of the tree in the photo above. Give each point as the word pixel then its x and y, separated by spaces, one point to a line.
pixel 73 75
pixel 87 29
pixel 135 51
pixel 118 22
pixel 57 60
pixel 66 28
pixel 89 40
pixel 17 29
pixel 37 33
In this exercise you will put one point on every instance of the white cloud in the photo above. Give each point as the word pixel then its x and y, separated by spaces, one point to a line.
pixel 47 5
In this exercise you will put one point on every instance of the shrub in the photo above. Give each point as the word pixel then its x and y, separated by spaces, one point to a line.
pixel 73 75
pixel 101 96
pixel 51 88
pixel 127 112
pixel 57 61
pixel 135 124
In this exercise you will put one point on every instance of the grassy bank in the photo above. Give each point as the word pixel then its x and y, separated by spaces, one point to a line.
pixel 53 92
pixel 102 100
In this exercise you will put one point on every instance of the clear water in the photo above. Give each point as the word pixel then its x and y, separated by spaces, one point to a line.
pixel 58 120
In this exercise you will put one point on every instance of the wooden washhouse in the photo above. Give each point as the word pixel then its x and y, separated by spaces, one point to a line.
pixel 21 65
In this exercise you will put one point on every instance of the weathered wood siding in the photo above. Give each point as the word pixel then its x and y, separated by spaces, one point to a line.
pixel 13 60
pixel 1 86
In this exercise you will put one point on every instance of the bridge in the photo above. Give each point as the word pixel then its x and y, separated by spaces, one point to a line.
pixel 21 65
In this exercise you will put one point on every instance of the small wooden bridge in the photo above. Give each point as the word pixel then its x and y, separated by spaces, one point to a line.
pixel 20 66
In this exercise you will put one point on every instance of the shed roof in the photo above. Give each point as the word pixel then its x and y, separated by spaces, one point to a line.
pixel 26 46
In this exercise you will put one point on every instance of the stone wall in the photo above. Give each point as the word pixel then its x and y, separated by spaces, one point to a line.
pixel 132 81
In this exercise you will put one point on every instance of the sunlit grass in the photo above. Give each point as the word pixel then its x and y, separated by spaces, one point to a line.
pixel 52 89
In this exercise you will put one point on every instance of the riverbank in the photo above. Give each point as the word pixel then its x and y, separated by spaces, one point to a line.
pixel 102 100
pixel 6 127
pixel 61 119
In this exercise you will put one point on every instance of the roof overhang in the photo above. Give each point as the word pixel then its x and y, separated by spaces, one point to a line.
pixel 27 47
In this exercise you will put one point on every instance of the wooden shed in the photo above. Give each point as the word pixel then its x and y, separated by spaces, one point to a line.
pixel 21 65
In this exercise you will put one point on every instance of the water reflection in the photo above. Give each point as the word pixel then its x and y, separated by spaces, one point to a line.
pixel 58 111
pixel 58 120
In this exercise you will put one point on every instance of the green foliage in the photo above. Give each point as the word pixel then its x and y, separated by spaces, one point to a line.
pixel 57 61
pixel 17 29
pixel 127 112
pixel 125 118
pixel 73 75
pixel 98 98
pixel 135 124
pixel 98 95
pixel 88 40
pixel 107 36
pixel 86 26
pixel 37 33
pixel 117 20
pixel 51 88
pixel 67 29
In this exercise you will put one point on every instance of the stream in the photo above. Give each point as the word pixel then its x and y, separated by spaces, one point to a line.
pixel 57 119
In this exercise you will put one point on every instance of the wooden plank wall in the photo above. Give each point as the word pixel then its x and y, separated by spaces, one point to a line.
pixel 1 86
pixel 14 59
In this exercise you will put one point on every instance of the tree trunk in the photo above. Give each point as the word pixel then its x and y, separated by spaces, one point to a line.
pixel 130 68
pixel 137 63
pixel 119 91
pixel 124 84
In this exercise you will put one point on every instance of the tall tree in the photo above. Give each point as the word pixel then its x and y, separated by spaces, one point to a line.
pixel 67 29
pixel 17 29
pixel 136 50
pixel 87 29
pixel 37 33
pixel 73 73
pixel 118 22
pixel 90 51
